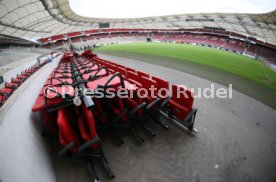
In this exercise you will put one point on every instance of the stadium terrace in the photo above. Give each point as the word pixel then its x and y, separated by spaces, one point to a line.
pixel 187 96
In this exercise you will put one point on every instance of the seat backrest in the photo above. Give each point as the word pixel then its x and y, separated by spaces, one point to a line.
pixel 90 120
pixel 67 133
pixel 122 70
pixel 117 106
pixel 147 82
pixel 3 96
pixel 141 73
pixel 162 84
pixel 132 75
pixel 110 66
pixel 130 69
pixel 7 91
pixel 87 125
pixel 186 99
pixel 98 111
pixel 96 59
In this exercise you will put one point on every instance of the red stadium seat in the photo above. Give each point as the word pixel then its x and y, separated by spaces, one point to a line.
pixel 4 95
pixel 162 88
pixel 181 106
pixel 67 134
pixel 12 86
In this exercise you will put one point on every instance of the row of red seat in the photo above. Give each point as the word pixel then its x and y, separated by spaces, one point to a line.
pixel 77 127
pixel 74 126
pixel 11 86
pixel 179 107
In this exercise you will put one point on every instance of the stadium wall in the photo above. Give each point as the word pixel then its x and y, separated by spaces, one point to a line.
pixel 26 155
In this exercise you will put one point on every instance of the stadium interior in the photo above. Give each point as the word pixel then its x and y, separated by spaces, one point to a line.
pixel 52 130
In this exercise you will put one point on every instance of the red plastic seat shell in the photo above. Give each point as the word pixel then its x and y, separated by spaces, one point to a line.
pixel 66 132
pixel 114 83
pixel 180 104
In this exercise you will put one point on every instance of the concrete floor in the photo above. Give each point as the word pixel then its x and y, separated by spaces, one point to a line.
pixel 236 142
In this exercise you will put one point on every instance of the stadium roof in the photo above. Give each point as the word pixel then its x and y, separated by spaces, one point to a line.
pixel 10 40
pixel 45 18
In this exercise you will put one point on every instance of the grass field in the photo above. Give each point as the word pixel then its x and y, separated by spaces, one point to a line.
pixel 236 64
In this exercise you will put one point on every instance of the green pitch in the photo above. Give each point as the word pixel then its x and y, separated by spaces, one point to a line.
pixel 230 62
